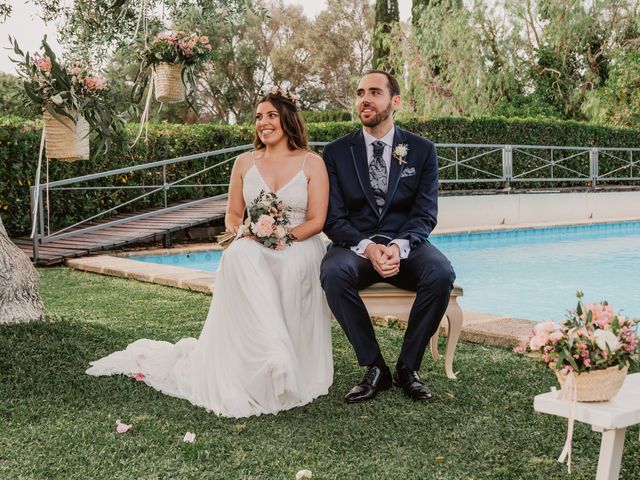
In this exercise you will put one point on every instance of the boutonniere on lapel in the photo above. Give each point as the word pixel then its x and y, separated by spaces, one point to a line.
pixel 400 153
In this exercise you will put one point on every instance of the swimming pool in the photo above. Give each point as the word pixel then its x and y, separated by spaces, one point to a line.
pixel 532 273
pixel 207 261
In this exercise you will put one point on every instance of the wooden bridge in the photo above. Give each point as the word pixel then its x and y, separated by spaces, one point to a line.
pixel 125 230
pixel 109 229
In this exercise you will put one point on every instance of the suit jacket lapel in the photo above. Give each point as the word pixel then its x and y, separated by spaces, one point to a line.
pixel 359 157
pixel 394 174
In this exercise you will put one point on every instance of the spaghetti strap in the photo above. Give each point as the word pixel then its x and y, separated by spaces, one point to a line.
pixel 253 158
pixel 305 160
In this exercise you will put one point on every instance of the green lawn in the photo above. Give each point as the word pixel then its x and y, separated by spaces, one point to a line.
pixel 57 423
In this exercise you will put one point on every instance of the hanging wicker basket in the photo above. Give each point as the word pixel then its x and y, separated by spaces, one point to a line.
pixel 168 83
pixel 65 140
pixel 595 385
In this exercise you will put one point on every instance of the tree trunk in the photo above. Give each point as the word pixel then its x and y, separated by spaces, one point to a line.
pixel 19 298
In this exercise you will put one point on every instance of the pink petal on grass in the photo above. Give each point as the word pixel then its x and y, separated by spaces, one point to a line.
pixel 189 437
pixel 139 376
pixel 122 427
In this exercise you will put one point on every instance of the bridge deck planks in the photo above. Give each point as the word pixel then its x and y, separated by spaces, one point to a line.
pixel 114 236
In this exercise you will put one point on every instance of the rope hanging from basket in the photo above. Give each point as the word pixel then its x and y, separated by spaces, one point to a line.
pixel 144 118
pixel 36 200
pixel 570 393
pixel 142 19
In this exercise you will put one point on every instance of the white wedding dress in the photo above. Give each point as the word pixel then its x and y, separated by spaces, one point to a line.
pixel 266 344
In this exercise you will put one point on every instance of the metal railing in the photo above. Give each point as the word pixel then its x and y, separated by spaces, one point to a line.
pixel 461 164
pixel 513 164
pixel 38 213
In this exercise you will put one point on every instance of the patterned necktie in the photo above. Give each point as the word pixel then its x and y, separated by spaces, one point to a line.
pixel 378 174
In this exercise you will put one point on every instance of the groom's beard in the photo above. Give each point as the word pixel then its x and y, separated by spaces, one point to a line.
pixel 378 118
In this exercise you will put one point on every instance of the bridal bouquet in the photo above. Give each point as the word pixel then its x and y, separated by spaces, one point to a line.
pixel 267 223
pixel 590 338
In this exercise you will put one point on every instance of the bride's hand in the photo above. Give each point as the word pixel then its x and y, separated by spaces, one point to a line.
pixel 234 229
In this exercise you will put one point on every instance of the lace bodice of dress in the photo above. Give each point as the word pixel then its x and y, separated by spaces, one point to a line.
pixel 293 194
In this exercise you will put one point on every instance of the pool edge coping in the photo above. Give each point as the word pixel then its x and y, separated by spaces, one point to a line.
pixel 485 328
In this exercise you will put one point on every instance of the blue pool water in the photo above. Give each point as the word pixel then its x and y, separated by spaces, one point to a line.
pixel 207 261
pixel 530 274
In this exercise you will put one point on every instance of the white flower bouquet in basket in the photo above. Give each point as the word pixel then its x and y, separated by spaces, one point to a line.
pixel 592 344
pixel 267 223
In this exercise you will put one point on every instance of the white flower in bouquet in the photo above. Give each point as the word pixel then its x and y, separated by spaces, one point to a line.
pixel 57 99
pixel 547 327
pixel 606 338
pixel 280 232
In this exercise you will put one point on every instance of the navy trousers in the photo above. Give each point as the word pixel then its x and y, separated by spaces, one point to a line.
pixel 426 271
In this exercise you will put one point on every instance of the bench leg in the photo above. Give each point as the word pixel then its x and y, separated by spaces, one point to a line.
pixel 454 315
pixel 610 454
pixel 434 343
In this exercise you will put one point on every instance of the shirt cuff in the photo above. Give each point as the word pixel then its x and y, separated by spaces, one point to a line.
pixel 403 245
pixel 361 247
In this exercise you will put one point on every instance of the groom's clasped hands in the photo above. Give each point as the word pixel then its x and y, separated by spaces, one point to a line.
pixel 385 259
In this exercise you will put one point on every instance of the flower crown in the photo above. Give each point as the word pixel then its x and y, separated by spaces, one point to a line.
pixel 283 92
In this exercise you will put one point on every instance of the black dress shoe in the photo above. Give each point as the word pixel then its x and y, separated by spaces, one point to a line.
pixel 410 383
pixel 374 381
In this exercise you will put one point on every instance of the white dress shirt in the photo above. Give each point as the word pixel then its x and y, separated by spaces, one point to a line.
pixel 387 139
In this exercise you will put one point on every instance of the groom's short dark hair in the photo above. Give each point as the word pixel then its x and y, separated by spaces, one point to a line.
pixel 394 86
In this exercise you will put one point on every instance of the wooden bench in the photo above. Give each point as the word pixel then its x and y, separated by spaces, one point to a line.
pixel 382 300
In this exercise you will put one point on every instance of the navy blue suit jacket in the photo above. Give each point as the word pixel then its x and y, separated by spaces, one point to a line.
pixel 411 206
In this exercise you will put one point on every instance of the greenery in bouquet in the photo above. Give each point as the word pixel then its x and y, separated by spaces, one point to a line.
pixel 181 48
pixel 592 337
pixel 268 222
pixel 67 90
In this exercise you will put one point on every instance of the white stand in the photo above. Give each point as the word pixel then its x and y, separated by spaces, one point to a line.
pixel 611 418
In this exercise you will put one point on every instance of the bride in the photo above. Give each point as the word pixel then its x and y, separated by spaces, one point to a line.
pixel 266 344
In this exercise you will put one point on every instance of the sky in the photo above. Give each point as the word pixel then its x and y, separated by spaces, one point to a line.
pixel 28 29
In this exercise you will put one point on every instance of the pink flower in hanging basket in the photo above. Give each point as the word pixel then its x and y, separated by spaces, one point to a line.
pixel 44 63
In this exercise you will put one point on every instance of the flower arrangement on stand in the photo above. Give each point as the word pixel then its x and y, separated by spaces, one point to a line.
pixel 173 56
pixel 593 345
pixel 73 102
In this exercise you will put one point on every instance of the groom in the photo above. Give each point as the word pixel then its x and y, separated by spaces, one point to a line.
pixel 383 205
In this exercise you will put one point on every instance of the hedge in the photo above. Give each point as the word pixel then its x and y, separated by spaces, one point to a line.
pixel 19 142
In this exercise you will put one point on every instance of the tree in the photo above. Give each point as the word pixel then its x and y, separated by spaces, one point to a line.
pixel 341 49
pixel 285 32
pixel 5 10
pixel 387 15
pixel 417 6
pixel 93 30
pixel 521 58
pixel 618 103
pixel 565 47
pixel 11 99
pixel 19 298
pixel 451 68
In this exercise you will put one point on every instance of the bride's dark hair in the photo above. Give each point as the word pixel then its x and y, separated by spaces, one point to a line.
pixel 290 119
